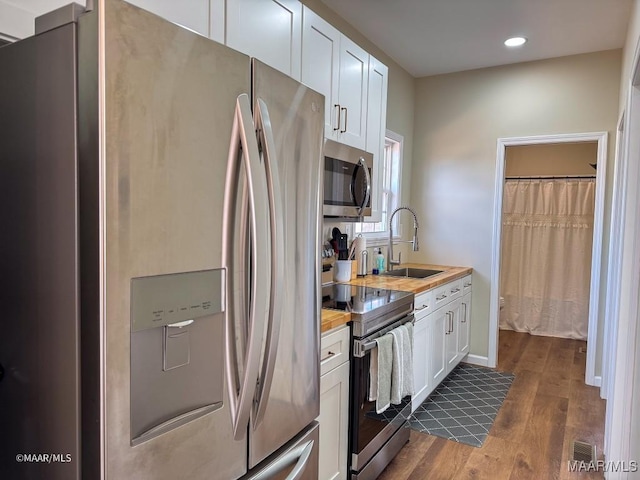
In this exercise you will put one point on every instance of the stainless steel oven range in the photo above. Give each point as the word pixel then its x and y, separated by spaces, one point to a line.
pixel 374 439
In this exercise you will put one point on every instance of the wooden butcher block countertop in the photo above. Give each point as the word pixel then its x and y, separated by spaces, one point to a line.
pixel 335 318
pixel 415 285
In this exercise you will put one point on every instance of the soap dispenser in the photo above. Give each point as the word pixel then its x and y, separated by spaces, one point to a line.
pixel 380 261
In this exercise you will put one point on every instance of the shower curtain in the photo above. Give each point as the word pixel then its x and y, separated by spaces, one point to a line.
pixel 546 256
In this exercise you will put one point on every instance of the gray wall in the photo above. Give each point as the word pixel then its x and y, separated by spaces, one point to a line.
pixel 459 118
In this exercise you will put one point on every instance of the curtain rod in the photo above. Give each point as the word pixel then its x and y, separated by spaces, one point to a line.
pixel 550 177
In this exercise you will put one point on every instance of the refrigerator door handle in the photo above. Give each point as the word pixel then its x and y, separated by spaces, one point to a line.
pixel 305 454
pixel 244 146
pixel 276 209
pixel 301 453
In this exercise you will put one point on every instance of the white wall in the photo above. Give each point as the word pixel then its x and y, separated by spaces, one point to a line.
pixel 459 118
pixel 618 418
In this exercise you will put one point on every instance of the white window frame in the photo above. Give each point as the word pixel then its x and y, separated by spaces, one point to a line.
pixel 394 144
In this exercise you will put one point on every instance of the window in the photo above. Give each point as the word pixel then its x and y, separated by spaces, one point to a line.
pixel 391 171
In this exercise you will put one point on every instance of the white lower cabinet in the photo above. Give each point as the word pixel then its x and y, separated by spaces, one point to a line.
pixel 334 406
pixel 465 317
pixel 451 333
pixel 420 361
pixel 437 348
pixel 440 335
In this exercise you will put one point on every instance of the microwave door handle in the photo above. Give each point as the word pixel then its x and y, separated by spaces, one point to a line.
pixel 367 177
pixel 276 210
pixel 243 135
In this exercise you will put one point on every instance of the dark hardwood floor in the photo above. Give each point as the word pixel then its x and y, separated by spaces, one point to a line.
pixel 547 408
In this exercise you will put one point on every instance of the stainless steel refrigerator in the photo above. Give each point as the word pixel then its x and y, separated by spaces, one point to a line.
pixel 161 219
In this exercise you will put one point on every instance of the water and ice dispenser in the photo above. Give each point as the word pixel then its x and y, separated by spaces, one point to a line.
pixel 177 350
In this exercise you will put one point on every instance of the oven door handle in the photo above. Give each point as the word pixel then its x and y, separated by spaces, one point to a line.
pixel 361 347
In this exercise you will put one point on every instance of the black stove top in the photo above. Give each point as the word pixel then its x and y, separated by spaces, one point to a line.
pixel 357 299
pixel 371 308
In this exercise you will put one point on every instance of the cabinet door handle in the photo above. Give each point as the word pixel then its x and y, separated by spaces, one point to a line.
pixel 346 119
pixel 464 317
pixel 329 355
pixel 338 108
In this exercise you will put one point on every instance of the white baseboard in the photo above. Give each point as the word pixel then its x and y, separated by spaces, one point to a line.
pixel 595 381
pixel 476 360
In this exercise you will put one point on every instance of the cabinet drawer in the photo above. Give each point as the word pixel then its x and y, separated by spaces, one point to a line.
pixel 334 349
pixel 455 289
pixel 441 296
pixel 423 304
pixel 466 284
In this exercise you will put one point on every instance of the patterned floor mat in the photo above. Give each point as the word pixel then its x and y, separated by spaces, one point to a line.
pixel 464 405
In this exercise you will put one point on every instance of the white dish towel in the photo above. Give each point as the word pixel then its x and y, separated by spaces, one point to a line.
pixel 408 360
pixel 402 369
pixel 380 372
pixel 373 375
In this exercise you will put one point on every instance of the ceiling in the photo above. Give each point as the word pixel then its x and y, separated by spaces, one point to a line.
pixel 430 37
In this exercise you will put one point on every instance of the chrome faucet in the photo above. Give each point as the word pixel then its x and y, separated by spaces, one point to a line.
pixel 390 261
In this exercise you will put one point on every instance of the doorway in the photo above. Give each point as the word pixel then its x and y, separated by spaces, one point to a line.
pixel 547 233
pixel 600 139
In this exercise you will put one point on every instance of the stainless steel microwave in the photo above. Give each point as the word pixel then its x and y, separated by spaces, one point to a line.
pixel 348 176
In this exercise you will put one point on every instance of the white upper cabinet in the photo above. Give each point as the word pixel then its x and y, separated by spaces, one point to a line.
pixel 270 30
pixel 192 14
pixel 321 65
pixel 352 93
pixel 339 69
pixel 216 20
pixel 205 17
pixel 16 22
pixel 376 129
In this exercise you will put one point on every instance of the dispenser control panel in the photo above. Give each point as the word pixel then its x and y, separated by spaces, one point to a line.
pixel 166 299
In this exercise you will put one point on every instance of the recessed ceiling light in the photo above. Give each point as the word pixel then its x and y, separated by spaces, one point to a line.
pixel 515 41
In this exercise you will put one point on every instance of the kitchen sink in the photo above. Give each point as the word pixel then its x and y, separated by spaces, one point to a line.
pixel 412 272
